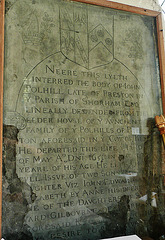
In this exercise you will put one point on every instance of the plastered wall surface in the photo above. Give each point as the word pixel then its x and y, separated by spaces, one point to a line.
pixel 149 4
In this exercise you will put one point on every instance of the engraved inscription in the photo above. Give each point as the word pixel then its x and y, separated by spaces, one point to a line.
pixel 81 104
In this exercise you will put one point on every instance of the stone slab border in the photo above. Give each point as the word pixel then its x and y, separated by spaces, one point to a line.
pixel 104 3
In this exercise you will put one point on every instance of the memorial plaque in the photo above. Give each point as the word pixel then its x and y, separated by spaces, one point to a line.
pixel 82 156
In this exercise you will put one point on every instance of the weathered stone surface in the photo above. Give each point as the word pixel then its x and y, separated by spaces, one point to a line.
pixel 80 147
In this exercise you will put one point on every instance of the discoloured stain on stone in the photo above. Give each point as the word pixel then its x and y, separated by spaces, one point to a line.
pixel 82 158
pixel 8 4
pixel 17 195
pixel 150 182
pixel 120 213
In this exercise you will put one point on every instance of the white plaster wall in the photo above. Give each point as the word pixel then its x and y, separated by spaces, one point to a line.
pixel 148 4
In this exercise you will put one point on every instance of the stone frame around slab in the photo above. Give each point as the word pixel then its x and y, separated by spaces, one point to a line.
pixel 156 15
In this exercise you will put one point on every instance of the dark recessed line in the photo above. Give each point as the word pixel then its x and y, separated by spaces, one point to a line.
pixel 101 65
pixel 69 20
pixel 113 38
pixel 70 30
pixel 42 61
pixel 87 34
pixel 74 61
pixel 74 33
pixel 86 67
pixel 80 50
pixel 127 69
pixel 103 45
pixel 102 27
pixel 95 27
pixel 60 27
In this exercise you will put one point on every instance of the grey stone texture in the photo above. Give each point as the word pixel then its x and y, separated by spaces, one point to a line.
pixel 81 150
